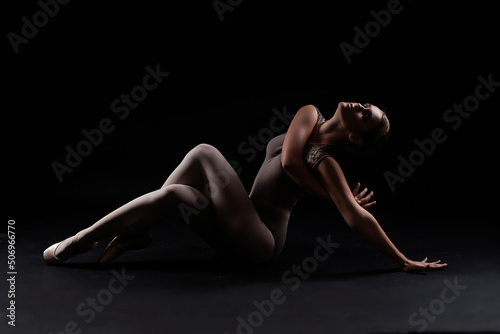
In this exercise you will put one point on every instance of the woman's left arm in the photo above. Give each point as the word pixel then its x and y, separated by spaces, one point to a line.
pixel 331 176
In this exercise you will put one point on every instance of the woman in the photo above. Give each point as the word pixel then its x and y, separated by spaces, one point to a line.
pixel 205 191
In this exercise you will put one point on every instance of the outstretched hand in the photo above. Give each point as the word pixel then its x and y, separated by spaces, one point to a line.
pixel 414 266
pixel 363 201
pixel 409 265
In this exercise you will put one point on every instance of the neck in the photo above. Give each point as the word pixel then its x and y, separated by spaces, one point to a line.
pixel 332 132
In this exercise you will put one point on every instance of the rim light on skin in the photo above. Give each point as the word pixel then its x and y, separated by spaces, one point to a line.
pixel 355 127
pixel 360 120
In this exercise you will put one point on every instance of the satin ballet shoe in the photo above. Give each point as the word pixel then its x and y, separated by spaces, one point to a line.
pixel 49 255
pixel 121 244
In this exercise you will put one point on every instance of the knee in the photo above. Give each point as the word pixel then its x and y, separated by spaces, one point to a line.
pixel 202 151
pixel 185 194
pixel 172 191
pixel 184 202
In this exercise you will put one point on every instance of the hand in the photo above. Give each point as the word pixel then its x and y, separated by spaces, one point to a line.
pixel 414 266
pixel 363 201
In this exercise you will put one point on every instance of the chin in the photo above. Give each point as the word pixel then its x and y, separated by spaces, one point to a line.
pixel 342 105
pixel 344 108
pixel 347 116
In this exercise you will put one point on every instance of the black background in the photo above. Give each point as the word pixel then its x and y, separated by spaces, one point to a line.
pixel 225 79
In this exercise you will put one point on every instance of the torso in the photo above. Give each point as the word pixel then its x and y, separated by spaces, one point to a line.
pixel 274 193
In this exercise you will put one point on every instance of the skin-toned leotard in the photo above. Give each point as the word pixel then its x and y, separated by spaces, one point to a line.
pixel 274 193
pixel 252 226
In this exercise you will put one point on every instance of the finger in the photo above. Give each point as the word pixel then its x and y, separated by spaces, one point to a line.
pixel 355 191
pixel 361 194
pixel 369 205
pixel 424 260
pixel 438 265
pixel 367 197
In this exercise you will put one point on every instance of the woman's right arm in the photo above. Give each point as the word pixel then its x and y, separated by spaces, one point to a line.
pixel 293 162
pixel 292 159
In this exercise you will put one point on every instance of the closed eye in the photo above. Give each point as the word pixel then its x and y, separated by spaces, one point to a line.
pixel 367 115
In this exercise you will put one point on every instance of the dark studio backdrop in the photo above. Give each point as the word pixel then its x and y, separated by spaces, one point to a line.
pixel 238 72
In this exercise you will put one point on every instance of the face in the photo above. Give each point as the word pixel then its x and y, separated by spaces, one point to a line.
pixel 359 118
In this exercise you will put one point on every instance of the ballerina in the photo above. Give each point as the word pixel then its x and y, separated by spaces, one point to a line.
pixel 207 194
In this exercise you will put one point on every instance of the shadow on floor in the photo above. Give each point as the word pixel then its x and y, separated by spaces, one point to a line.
pixel 220 264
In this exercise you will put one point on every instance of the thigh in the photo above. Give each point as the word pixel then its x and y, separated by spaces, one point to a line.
pixel 235 216
pixel 239 222
pixel 245 234
pixel 197 212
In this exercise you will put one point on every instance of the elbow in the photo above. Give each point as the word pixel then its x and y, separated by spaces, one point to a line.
pixel 292 168
pixel 356 219
pixel 353 224
pixel 356 227
pixel 287 164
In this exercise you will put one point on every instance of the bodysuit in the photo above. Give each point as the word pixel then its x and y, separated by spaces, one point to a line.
pixel 274 193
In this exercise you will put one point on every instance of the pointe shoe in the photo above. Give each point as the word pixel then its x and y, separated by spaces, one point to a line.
pixel 121 244
pixel 49 255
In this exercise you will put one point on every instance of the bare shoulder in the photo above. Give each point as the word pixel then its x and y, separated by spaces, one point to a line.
pixel 305 116
pixel 308 109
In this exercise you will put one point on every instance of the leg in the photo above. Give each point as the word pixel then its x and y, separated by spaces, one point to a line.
pixel 132 219
pixel 236 221
pixel 177 195
pixel 203 169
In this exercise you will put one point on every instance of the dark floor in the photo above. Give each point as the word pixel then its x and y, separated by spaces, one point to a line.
pixel 179 285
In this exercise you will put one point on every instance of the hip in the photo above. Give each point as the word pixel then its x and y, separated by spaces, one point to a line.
pixel 276 219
